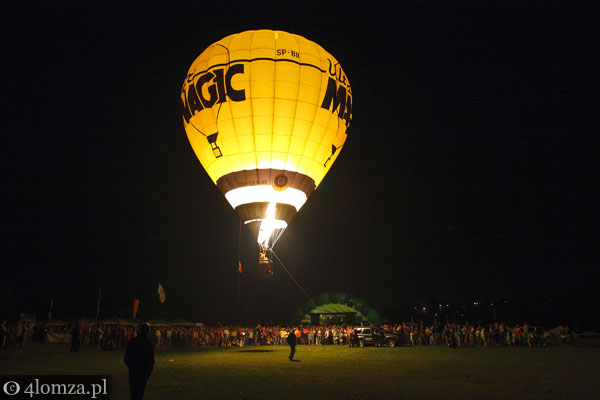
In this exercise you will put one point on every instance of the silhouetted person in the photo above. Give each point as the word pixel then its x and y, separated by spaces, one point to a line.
pixel 139 358
pixel 3 335
pixel 291 339
pixel 76 334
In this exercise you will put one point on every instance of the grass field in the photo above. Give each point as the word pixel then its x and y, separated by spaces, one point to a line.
pixel 328 372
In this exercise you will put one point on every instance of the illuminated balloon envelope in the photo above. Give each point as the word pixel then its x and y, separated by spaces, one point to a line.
pixel 266 113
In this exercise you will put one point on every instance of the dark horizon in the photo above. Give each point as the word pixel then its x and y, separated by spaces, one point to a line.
pixel 470 172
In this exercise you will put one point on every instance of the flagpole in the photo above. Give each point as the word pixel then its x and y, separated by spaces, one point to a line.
pixel 239 263
pixel 98 306
pixel 51 307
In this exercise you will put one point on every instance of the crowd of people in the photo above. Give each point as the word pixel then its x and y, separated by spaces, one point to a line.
pixel 114 336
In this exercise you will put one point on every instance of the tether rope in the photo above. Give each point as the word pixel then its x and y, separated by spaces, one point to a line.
pixel 288 272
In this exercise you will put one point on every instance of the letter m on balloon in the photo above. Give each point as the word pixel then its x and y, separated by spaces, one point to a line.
pixel 336 98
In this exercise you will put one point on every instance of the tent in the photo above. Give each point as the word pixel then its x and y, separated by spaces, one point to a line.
pixel 589 334
pixel 556 330
pixel 110 321
pixel 337 308
pixel 157 322
pixel 181 322
pixel 52 322
pixel 86 321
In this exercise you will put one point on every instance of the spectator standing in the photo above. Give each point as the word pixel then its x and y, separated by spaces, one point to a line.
pixel 518 333
pixel 3 335
pixel 19 334
pixel 158 337
pixel 76 334
pixel 139 358
pixel 291 339
pixel 100 337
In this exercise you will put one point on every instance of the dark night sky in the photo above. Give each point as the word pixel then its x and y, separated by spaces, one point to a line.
pixel 470 171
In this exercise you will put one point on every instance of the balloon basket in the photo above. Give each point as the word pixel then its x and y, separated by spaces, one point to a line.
pixel 265 267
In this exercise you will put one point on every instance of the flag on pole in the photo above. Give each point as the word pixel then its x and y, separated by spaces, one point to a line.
pixel 161 294
pixel 240 266
pixel 136 304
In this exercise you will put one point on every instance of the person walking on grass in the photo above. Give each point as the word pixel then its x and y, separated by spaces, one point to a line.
pixel 139 358
pixel 291 339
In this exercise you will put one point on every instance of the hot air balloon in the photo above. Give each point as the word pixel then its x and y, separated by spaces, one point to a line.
pixel 266 113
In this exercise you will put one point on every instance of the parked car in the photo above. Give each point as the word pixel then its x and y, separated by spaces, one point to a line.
pixel 373 336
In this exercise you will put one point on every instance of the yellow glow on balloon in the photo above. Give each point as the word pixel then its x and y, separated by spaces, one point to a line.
pixel 266 108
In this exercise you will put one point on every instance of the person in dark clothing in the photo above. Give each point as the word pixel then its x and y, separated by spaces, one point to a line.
pixel 139 358
pixel 291 339
pixel 76 334
pixel 3 335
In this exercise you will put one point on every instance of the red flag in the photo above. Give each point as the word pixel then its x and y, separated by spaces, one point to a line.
pixel 136 304
pixel 240 266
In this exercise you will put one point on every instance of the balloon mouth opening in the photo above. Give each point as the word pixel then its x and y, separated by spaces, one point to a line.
pixel 265 193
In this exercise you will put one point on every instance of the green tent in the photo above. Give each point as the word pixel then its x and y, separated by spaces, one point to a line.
pixel 336 303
